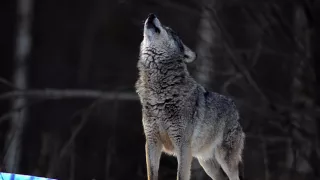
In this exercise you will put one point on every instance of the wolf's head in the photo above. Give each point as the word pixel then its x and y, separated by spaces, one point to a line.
pixel 163 41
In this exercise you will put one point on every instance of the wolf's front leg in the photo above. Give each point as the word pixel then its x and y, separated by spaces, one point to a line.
pixel 153 153
pixel 184 157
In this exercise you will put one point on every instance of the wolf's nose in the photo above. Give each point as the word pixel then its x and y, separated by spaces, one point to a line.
pixel 152 16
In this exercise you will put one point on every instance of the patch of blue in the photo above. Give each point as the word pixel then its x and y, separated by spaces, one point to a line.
pixel 10 176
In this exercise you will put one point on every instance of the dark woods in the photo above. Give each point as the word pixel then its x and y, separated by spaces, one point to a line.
pixel 68 108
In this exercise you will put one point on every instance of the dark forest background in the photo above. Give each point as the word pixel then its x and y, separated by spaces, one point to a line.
pixel 67 103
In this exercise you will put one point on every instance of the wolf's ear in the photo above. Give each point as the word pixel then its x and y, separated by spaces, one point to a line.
pixel 189 55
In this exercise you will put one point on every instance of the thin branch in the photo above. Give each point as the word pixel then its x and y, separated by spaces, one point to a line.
pixel 268 138
pixel 7 83
pixel 110 151
pixel 73 163
pixel 263 50
pixel 265 159
pixel 64 94
pixel 65 148
pixel 256 54
pixel 315 111
pixel 235 61
pixel 230 81
pixel 9 114
pixel 287 28
pixel 76 131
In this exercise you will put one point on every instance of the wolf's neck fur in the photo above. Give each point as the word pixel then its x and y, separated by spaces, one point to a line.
pixel 163 73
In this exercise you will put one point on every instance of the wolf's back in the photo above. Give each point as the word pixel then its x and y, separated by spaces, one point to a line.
pixel 220 106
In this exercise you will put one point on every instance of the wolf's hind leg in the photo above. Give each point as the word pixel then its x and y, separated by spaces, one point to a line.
pixel 228 154
pixel 212 168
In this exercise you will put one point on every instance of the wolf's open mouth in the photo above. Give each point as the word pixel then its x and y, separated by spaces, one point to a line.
pixel 150 24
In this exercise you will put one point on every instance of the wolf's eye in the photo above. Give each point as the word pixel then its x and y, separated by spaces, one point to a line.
pixel 179 43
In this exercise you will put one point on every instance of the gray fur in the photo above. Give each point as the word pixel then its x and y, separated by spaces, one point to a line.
pixel 180 117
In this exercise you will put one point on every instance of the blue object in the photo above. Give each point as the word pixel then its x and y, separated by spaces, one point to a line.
pixel 10 176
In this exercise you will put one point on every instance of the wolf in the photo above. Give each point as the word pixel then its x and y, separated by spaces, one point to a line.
pixel 179 116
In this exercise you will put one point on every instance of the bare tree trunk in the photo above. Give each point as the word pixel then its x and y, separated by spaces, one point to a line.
pixel 22 50
pixel 303 96
pixel 207 34
pixel 98 14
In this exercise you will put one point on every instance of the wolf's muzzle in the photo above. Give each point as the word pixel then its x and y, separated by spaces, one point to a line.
pixel 150 23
